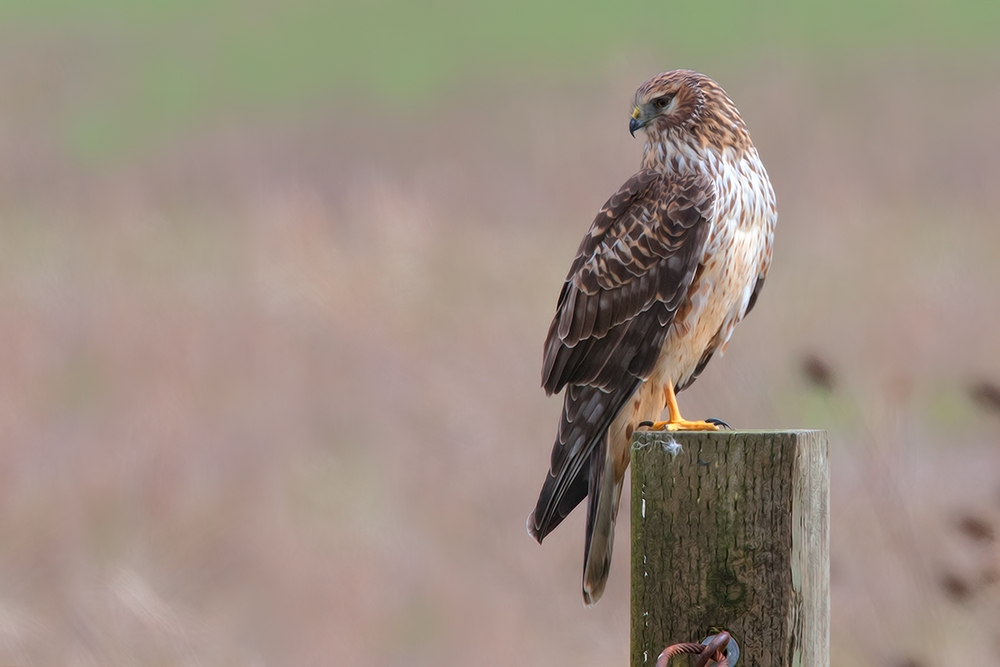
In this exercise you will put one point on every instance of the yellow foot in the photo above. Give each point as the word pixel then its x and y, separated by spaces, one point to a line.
pixel 682 425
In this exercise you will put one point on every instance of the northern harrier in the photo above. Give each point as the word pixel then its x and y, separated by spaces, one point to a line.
pixel 671 263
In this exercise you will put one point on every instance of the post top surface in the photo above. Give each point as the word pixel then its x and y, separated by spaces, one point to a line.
pixel 793 431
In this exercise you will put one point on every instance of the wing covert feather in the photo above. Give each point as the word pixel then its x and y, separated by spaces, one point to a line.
pixel 634 264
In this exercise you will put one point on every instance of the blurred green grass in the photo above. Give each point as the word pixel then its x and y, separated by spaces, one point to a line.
pixel 176 63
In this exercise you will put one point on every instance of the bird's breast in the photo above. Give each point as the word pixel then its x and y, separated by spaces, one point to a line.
pixel 737 252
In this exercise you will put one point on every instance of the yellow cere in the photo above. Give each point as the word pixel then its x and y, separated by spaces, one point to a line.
pixel 635 112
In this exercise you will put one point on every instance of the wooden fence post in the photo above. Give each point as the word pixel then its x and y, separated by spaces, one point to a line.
pixel 730 530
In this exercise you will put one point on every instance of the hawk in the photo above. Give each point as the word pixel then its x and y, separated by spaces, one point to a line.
pixel 674 260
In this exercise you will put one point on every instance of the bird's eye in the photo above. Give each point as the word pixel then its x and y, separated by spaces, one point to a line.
pixel 662 102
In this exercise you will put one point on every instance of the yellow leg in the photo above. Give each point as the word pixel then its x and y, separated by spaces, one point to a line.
pixel 675 422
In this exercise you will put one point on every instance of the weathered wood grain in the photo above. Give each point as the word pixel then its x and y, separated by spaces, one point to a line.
pixel 730 530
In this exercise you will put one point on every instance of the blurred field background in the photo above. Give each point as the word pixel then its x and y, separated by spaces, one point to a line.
pixel 274 278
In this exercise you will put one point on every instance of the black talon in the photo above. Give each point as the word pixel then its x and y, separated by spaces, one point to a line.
pixel 646 424
pixel 719 423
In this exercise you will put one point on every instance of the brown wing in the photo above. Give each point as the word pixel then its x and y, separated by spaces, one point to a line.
pixel 630 274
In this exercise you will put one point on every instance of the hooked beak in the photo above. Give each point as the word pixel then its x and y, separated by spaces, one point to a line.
pixel 637 123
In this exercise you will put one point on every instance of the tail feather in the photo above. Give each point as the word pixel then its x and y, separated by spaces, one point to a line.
pixel 581 467
pixel 542 522
pixel 581 440
pixel 602 511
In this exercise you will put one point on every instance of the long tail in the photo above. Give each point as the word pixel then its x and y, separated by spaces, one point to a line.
pixel 602 511
pixel 580 467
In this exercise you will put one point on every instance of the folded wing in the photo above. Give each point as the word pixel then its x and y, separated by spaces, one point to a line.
pixel 631 273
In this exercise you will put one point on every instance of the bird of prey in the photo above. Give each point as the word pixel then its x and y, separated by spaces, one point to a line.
pixel 674 260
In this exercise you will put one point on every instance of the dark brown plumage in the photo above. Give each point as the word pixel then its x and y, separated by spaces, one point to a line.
pixel 626 282
pixel 613 314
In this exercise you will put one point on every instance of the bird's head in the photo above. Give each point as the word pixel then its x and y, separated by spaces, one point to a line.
pixel 685 105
